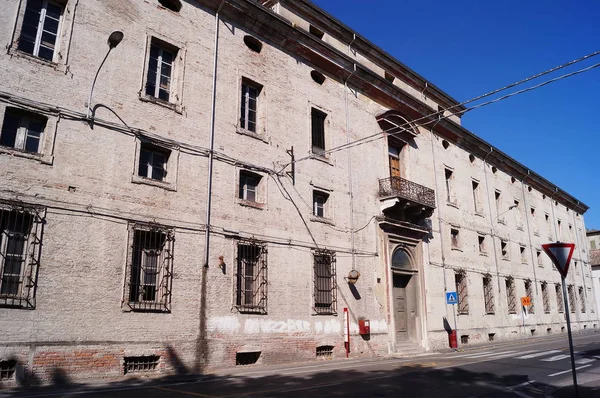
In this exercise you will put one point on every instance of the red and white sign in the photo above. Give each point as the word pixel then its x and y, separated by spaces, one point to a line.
pixel 560 254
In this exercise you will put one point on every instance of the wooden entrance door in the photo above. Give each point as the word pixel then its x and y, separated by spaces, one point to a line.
pixel 400 306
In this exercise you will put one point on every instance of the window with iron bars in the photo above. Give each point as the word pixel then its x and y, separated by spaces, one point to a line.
pixel 462 292
pixel 511 297
pixel 20 244
pixel 560 303
pixel 251 278
pixel 488 294
pixel 529 293
pixel 149 268
pixel 582 299
pixel 572 300
pixel 325 292
pixel 545 298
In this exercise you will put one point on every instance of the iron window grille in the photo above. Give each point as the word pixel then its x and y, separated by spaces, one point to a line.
pixel 582 300
pixel 140 364
pixel 160 70
pixel 22 130
pixel 320 204
pixel 21 231
pixel 325 289
pixel 325 351
pixel 572 299
pixel 560 303
pixel 40 28
pixel 149 268
pixel 511 297
pixel 318 130
pixel 7 369
pixel 545 298
pixel 462 291
pixel 248 188
pixel 249 106
pixel 153 162
pixel 251 277
pixel 529 293
pixel 488 294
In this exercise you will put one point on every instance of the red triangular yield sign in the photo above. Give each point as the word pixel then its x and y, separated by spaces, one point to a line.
pixel 560 254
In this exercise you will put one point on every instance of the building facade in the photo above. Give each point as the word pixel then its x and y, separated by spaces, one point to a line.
pixel 251 181
pixel 593 244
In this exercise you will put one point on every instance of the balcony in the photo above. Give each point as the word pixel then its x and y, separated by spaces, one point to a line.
pixel 408 191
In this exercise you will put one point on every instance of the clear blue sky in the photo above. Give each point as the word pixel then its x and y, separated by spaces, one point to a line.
pixel 470 47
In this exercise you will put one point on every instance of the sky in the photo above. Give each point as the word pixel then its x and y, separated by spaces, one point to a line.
pixel 468 47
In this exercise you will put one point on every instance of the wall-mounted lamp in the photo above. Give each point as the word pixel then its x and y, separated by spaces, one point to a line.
pixel 352 277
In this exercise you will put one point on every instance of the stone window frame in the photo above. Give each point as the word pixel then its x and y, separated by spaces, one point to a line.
pixel 523 253
pixel 560 302
pixel 323 288
pixel 529 293
pixel 177 72
pixel 476 188
pixel 482 244
pixel 256 301
pixel 506 243
pixel 511 295
pixel 462 291
pixel 455 243
pixel 449 175
pixel 170 182
pixel 327 139
pixel 47 141
pixel 328 207
pixel 545 298
pixel 488 295
pixel 60 61
pixel 572 298
pixel 260 132
pixel 260 202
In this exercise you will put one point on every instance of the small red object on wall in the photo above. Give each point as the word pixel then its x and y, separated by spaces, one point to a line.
pixel 364 326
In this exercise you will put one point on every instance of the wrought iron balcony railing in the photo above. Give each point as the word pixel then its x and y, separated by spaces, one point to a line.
pixel 408 190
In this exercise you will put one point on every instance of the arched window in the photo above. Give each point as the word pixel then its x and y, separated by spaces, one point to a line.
pixel 401 260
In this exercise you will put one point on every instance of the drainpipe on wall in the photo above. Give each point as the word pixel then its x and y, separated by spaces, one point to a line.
pixel 492 219
pixel 533 262
pixel 350 188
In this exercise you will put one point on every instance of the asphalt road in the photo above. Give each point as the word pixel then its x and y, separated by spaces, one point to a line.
pixel 527 369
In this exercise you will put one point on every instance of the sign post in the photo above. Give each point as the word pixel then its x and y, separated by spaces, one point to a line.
pixel 560 254
pixel 452 298
pixel 525 302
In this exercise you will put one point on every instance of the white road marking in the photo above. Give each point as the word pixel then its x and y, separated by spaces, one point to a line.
pixel 567 371
pixel 489 354
pixel 539 354
pixel 463 355
pixel 583 361
pixel 512 354
pixel 555 358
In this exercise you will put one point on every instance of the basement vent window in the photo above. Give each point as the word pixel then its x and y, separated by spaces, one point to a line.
pixel 325 351
pixel 318 77
pixel 141 364
pixel 247 358
pixel 464 339
pixel 7 369
pixel 389 77
pixel 253 43
pixel 173 5
pixel 445 144
pixel 316 32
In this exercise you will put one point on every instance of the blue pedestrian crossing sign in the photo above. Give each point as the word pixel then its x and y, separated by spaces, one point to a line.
pixel 451 298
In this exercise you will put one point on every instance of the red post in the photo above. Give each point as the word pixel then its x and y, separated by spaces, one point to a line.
pixel 452 339
pixel 347 332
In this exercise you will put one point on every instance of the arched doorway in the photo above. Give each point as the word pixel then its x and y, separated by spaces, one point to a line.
pixel 402 293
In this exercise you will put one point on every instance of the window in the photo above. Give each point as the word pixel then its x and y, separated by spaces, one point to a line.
pixel 504 249
pixel 153 162
pixel 529 293
pixel 173 5
pixel 523 254
pixel 589 294
pixel 160 70
pixel 559 229
pixel 460 280
pixel 518 215
pixel 582 300
pixel 454 238
pixel 39 31
pixel 253 43
pixel 449 174
pixel 316 31
pixel 560 303
pixel 394 159
pixel 248 189
pixel 249 105
pixel 476 204
pixel 150 268
pixel 593 244
pixel 22 130
pixel 498 198
pixel 511 297
pixel 576 268
pixel 540 259
pixel 488 295
pixel 545 298
pixel 318 131
pixel 482 245
pixel 325 282
pixel 320 204
pixel 572 301
pixel 251 286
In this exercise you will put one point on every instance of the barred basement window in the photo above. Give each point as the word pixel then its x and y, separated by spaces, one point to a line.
pixel 488 294
pixel 325 351
pixel 7 369
pixel 325 293
pixel 560 303
pixel 529 293
pixel 572 299
pixel 582 299
pixel 141 364
pixel 462 291
pixel 150 268
pixel 511 297
pixel 20 244
pixel 251 285
pixel 546 298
